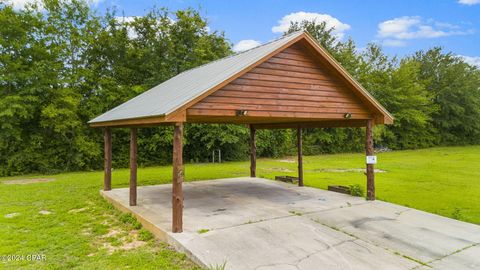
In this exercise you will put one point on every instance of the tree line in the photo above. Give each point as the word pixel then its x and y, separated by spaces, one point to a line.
pixel 62 64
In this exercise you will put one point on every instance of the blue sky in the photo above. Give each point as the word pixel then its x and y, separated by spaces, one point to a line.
pixel 401 26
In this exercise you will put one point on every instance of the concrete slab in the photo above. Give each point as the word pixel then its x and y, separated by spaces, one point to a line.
pixel 290 243
pixel 417 234
pixel 467 258
pixel 254 223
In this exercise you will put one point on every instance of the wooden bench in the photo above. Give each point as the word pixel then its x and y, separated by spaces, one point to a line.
pixel 340 189
pixel 287 179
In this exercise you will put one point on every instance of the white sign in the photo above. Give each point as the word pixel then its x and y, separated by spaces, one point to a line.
pixel 371 159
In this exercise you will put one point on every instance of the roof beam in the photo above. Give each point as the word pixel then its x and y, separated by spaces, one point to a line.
pixel 322 124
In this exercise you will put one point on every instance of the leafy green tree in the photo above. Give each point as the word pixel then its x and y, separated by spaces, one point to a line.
pixel 276 142
pixel 407 99
pixel 400 89
pixel 201 140
pixel 454 87
pixel 63 66
pixel 24 69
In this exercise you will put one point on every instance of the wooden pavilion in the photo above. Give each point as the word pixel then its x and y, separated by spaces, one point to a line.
pixel 291 82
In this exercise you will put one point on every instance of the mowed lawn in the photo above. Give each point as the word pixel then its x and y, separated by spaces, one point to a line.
pixel 67 221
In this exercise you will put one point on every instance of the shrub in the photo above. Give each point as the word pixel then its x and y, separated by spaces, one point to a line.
pixel 356 190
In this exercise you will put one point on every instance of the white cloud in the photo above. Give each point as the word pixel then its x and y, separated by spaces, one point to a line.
pixel 471 60
pixel 245 44
pixel 469 2
pixel 396 30
pixel 411 27
pixel 397 27
pixel 339 27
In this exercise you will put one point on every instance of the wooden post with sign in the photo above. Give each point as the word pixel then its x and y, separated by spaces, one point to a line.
pixel 370 164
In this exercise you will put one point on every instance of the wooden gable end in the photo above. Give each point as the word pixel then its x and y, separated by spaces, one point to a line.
pixel 290 86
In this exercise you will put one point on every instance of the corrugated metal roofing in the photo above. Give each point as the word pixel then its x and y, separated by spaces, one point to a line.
pixel 179 90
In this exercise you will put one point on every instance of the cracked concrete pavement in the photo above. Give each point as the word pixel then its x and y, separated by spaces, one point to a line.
pixel 254 223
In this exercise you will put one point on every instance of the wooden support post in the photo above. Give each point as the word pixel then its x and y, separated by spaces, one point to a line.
pixel 107 160
pixel 300 157
pixel 133 167
pixel 253 153
pixel 370 167
pixel 177 192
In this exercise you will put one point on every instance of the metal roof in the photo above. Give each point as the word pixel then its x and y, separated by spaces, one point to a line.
pixel 179 90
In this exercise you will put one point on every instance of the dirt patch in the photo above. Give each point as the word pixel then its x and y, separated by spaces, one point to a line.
pixel 44 212
pixel 111 233
pixel 133 245
pixel 127 242
pixel 12 215
pixel 117 239
pixel 347 170
pixel 279 170
pixel 28 181
pixel 78 210
pixel 287 160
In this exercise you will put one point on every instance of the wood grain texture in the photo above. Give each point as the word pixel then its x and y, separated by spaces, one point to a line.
pixel 319 53
pixel 300 156
pixel 253 153
pixel 107 160
pixel 133 166
pixel 312 124
pixel 288 85
pixel 205 113
pixel 177 190
pixel 246 119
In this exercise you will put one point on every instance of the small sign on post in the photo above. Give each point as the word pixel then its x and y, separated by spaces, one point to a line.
pixel 371 159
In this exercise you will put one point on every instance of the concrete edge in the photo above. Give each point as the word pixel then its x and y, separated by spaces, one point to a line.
pixel 159 233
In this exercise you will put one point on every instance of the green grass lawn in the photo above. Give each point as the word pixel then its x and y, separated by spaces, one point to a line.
pixel 68 221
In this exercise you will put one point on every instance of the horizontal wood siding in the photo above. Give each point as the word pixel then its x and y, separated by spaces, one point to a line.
pixel 289 85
